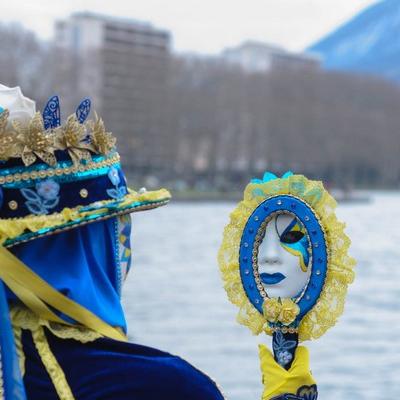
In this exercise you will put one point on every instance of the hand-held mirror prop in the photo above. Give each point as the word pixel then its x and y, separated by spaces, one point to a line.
pixel 284 261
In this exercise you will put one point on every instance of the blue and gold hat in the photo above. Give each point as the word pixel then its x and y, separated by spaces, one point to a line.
pixel 55 177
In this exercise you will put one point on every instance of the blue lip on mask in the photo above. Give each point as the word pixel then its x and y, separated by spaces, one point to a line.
pixel 272 279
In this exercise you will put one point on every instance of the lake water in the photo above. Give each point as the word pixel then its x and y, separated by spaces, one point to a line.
pixel 174 301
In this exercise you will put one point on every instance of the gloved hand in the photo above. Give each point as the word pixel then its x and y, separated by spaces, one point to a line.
pixel 295 384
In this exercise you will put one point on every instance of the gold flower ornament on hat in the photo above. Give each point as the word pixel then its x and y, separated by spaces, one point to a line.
pixel 7 139
pixel 32 141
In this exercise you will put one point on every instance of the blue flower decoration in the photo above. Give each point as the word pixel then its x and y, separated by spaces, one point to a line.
pixel 48 189
pixel 44 198
pixel 118 192
pixel 281 348
pixel 308 392
pixel 269 176
pixel 284 358
pixel 304 393
pixel 114 176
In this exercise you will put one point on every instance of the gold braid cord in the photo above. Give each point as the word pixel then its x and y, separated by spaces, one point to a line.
pixel 52 366
pixel 340 266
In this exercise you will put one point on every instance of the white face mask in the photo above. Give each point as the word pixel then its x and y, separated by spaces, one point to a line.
pixel 283 257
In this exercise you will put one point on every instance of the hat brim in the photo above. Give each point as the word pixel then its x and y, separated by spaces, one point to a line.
pixel 20 230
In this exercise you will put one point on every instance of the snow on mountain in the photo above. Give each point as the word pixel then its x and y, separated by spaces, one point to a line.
pixel 368 43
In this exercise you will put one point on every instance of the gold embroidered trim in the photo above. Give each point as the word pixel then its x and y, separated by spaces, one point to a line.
pixel 52 366
pixel 48 173
pixel 20 350
pixel 13 227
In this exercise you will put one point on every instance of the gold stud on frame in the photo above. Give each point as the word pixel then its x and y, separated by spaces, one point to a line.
pixel 84 193
pixel 13 205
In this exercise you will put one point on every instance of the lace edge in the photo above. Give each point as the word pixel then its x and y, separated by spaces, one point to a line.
pixel 23 318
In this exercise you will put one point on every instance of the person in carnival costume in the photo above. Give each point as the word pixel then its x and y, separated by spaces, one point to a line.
pixel 65 251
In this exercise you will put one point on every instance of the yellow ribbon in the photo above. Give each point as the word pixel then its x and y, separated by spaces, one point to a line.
pixel 37 294
pixel 277 380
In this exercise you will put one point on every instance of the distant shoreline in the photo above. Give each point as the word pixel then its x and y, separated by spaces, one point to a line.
pixel 197 197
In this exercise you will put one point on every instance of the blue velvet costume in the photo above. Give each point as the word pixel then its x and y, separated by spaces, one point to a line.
pixel 82 264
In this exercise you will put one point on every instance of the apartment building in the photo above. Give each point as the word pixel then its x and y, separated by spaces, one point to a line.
pixel 123 65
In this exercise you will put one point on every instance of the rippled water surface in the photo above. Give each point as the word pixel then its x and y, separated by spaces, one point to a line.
pixel 175 301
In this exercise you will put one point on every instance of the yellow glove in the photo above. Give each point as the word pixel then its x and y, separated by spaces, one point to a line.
pixel 297 383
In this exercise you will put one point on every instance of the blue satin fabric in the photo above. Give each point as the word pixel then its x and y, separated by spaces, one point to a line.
pixel 13 385
pixel 82 264
pixel 110 370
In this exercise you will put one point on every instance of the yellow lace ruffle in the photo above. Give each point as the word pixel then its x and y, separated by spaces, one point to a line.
pixel 23 318
pixel 12 228
pixel 340 266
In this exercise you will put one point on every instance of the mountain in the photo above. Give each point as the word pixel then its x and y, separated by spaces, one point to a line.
pixel 368 43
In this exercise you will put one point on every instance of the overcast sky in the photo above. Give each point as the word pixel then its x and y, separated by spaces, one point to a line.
pixel 205 26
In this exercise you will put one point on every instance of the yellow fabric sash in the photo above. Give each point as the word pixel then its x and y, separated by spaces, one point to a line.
pixel 278 380
pixel 37 294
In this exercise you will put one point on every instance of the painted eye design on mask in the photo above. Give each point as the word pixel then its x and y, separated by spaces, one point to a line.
pixel 295 241
pixel 291 237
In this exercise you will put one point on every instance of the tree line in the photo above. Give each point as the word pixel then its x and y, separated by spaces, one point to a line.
pixel 217 125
